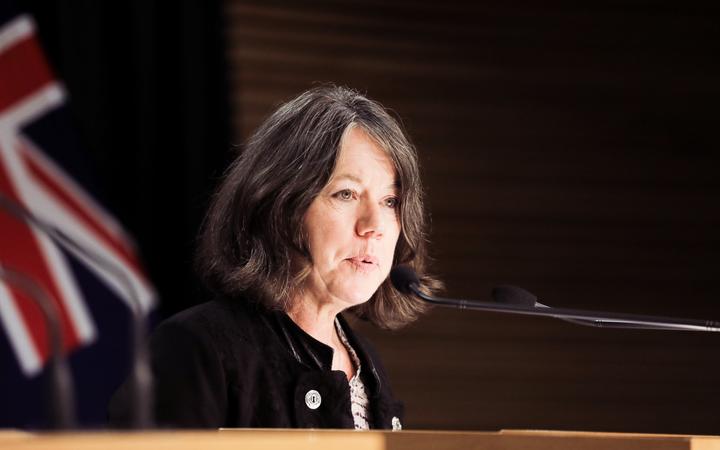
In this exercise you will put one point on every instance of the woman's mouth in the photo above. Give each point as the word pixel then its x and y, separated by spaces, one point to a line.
pixel 363 263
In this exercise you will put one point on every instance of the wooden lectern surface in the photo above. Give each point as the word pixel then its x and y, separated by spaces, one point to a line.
pixel 350 440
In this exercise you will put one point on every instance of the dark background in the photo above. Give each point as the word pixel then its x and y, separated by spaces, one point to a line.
pixel 568 147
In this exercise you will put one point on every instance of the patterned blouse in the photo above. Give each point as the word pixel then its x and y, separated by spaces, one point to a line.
pixel 359 402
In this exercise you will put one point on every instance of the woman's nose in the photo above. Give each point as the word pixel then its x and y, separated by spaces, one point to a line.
pixel 370 221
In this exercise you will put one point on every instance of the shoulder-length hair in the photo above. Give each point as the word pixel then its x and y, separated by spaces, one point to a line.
pixel 253 233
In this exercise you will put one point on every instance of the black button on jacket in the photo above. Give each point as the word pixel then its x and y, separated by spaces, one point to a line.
pixel 227 363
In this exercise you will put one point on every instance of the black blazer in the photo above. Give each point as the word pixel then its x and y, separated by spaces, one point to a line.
pixel 227 363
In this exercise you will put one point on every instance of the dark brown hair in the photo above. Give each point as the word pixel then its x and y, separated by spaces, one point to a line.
pixel 252 236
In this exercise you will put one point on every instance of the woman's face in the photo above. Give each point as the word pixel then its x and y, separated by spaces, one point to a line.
pixel 353 225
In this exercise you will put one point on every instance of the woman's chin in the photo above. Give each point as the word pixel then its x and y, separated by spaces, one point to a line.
pixel 355 297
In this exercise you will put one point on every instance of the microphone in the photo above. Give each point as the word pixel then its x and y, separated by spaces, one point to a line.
pixel 141 375
pixel 522 302
pixel 402 277
pixel 61 410
pixel 514 295
pixel 519 296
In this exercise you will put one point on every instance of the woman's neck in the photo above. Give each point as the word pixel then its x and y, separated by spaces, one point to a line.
pixel 316 319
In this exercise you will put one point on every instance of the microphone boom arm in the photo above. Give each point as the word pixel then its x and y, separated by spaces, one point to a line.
pixel 583 317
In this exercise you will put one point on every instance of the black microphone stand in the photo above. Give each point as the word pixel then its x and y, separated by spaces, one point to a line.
pixel 61 411
pixel 405 280
pixel 141 375
pixel 518 296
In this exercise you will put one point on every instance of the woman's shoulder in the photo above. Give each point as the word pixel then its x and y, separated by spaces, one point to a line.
pixel 216 310
pixel 216 322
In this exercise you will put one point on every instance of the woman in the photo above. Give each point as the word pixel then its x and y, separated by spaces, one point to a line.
pixel 306 224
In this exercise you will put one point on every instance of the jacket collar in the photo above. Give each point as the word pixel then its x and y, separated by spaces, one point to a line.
pixel 306 349
pixel 314 354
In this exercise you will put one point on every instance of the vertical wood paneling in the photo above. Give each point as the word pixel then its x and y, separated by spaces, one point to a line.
pixel 567 148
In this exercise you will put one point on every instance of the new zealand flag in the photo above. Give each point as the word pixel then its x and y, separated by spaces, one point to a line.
pixel 41 169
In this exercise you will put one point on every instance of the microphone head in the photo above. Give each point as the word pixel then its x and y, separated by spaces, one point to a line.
pixel 402 277
pixel 513 295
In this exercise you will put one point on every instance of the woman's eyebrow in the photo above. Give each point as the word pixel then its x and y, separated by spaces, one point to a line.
pixel 347 176
pixel 394 186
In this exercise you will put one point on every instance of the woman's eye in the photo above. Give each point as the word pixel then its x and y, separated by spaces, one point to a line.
pixel 391 202
pixel 345 194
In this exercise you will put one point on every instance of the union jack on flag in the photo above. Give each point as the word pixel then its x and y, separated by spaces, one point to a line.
pixel 35 173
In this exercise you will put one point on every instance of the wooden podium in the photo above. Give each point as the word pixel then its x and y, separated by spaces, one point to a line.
pixel 237 439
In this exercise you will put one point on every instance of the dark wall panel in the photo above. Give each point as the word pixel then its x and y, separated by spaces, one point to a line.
pixel 571 149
